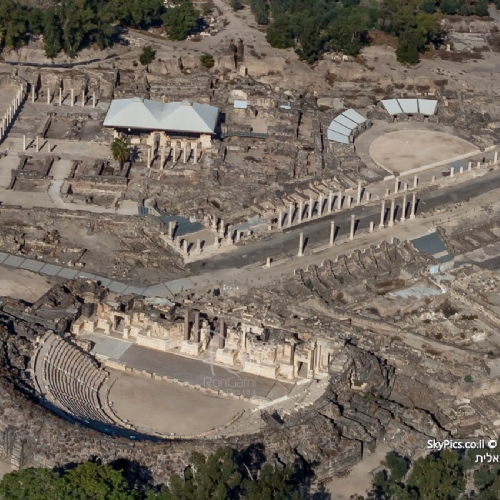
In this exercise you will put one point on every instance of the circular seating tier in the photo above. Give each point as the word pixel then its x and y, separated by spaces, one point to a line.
pixel 73 381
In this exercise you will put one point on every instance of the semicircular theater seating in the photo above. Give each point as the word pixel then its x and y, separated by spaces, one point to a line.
pixel 73 381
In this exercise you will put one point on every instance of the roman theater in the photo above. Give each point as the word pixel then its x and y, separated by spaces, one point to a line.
pixel 306 276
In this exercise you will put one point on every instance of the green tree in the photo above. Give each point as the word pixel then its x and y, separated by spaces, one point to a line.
pixel 119 150
pixel 179 21
pixel 52 34
pixel 236 5
pixel 481 8
pixel 260 9
pixel 279 33
pixel 438 477
pixel 13 21
pixel 207 60
pixel 409 43
pixel 272 484
pixel 429 26
pixel 147 56
pixel 348 34
pixel 97 482
pixel 428 6
pixel 397 465
pixel 32 484
pixel 449 7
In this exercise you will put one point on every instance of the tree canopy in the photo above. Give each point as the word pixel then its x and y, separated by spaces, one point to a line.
pixel 438 476
pixel 180 20
pixel 217 476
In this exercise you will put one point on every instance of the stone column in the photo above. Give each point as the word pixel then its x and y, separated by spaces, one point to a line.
pixel 478 164
pixel 83 99
pixel 174 157
pixel 268 262
pixel 93 99
pixel 301 245
pixel 311 207
pixel 184 152
pixel 353 222
pixel 433 178
pixel 60 96
pixel 222 229
pixel 332 232
pixel 415 181
pixel 37 144
pixel 358 201
pixel 222 333
pixel 405 186
pixel 24 143
pixel 403 212
pixel 290 213
pixel 186 322
pixel 185 247
pixel 72 97
pixel 371 226
pixel 367 197
pixel 320 205
pixel 396 185
pixel 32 93
pixel 495 157
pixel 280 219
pixel 339 200
pixel 238 236
pixel 382 215
pixel 198 246
pixel 301 209
pixel 48 95
pixel 230 235
pixel 387 192
pixel 196 326
pixel 413 205
pixel 391 215
pixel 195 154
pixel 330 202
pixel 349 201
pixel 452 171
pixel 461 170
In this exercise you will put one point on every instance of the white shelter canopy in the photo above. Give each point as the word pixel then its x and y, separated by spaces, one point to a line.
pixel 184 116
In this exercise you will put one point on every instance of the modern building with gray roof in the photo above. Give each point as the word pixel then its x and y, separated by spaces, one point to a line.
pixel 185 117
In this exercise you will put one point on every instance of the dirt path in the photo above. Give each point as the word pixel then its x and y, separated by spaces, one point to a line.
pixel 5 468
pixel 359 481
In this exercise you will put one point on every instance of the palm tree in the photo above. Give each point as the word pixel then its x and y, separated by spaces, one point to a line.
pixel 119 150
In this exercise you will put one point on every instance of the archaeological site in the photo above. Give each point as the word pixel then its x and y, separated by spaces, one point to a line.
pixel 220 236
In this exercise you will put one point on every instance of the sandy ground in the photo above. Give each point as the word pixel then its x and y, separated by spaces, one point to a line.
pixel 359 480
pixel 408 149
pixel 5 468
pixel 7 94
pixel 169 408
pixel 21 284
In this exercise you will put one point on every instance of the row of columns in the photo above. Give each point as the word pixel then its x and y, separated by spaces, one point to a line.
pixel 381 225
pixel 185 154
pixel 72 102
pixel 37 144
pixel 196 328
pixel 10 114
pixel 342 201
